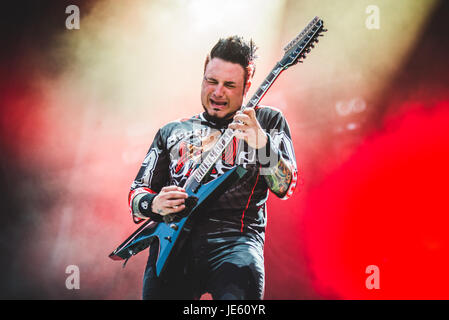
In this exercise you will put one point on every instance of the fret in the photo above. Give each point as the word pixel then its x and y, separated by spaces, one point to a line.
pixel 254 101
pixel 214 156
pixel 200 170
pixel 264 86
pixel 212 153
pixel 204 167
pixel 217 152
pixel 197 178
pixel 224 145
pixel 271 76
pixel 227 137
pixel 276 71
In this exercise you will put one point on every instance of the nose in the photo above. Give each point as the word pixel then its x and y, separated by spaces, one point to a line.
pixel 219 91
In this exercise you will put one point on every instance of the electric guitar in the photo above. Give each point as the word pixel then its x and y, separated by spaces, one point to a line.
pixel 170 234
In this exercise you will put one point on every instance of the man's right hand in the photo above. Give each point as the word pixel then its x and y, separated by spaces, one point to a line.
pixel 171 199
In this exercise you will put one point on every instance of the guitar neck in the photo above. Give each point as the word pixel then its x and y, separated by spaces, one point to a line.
pixel 215 153
pixel 263 88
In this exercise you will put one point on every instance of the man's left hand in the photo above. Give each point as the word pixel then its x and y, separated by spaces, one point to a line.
pixel 248 128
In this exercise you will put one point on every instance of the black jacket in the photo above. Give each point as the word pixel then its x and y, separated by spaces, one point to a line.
pixel 179 144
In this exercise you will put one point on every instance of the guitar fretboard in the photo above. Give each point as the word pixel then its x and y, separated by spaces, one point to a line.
pixel 226 138
pixel 295 50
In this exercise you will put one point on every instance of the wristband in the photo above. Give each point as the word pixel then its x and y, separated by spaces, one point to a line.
pixel 142 206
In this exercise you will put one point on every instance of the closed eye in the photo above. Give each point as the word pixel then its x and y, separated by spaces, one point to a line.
pixel 211 80
pixel 227 84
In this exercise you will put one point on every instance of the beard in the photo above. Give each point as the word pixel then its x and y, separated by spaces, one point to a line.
pixel 226 119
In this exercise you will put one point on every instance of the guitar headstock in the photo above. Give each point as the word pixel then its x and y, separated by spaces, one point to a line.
pixel 303 43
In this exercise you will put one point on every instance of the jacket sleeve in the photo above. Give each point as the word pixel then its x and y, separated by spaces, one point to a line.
pixel 151 178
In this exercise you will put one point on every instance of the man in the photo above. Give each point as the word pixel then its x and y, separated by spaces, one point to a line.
pixel 224 252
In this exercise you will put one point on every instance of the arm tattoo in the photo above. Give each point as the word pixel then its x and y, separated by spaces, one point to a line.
pixel 279 178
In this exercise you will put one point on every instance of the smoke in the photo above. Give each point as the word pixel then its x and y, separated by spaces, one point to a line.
pixel 385 207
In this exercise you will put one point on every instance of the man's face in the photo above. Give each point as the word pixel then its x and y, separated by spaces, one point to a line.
pixel 222 88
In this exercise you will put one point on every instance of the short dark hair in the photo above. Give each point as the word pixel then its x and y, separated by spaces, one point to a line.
pixel 236 50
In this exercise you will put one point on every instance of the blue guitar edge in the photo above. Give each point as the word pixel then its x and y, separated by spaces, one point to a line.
pixel 171 235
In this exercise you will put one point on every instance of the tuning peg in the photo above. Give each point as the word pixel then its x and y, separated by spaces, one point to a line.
pixel 324 30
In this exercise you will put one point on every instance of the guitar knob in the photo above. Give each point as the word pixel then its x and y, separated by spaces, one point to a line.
pixel 168 238
pixel 174 226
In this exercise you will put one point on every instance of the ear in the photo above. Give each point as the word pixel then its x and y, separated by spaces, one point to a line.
pixel 247 86
pixel 206 62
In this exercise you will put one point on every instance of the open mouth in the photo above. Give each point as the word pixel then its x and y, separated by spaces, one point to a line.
pixel 217 104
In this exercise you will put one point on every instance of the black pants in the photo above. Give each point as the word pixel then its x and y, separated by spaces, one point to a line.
pixel 229 268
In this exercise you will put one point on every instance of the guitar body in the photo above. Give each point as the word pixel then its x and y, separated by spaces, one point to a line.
pixel 171 234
